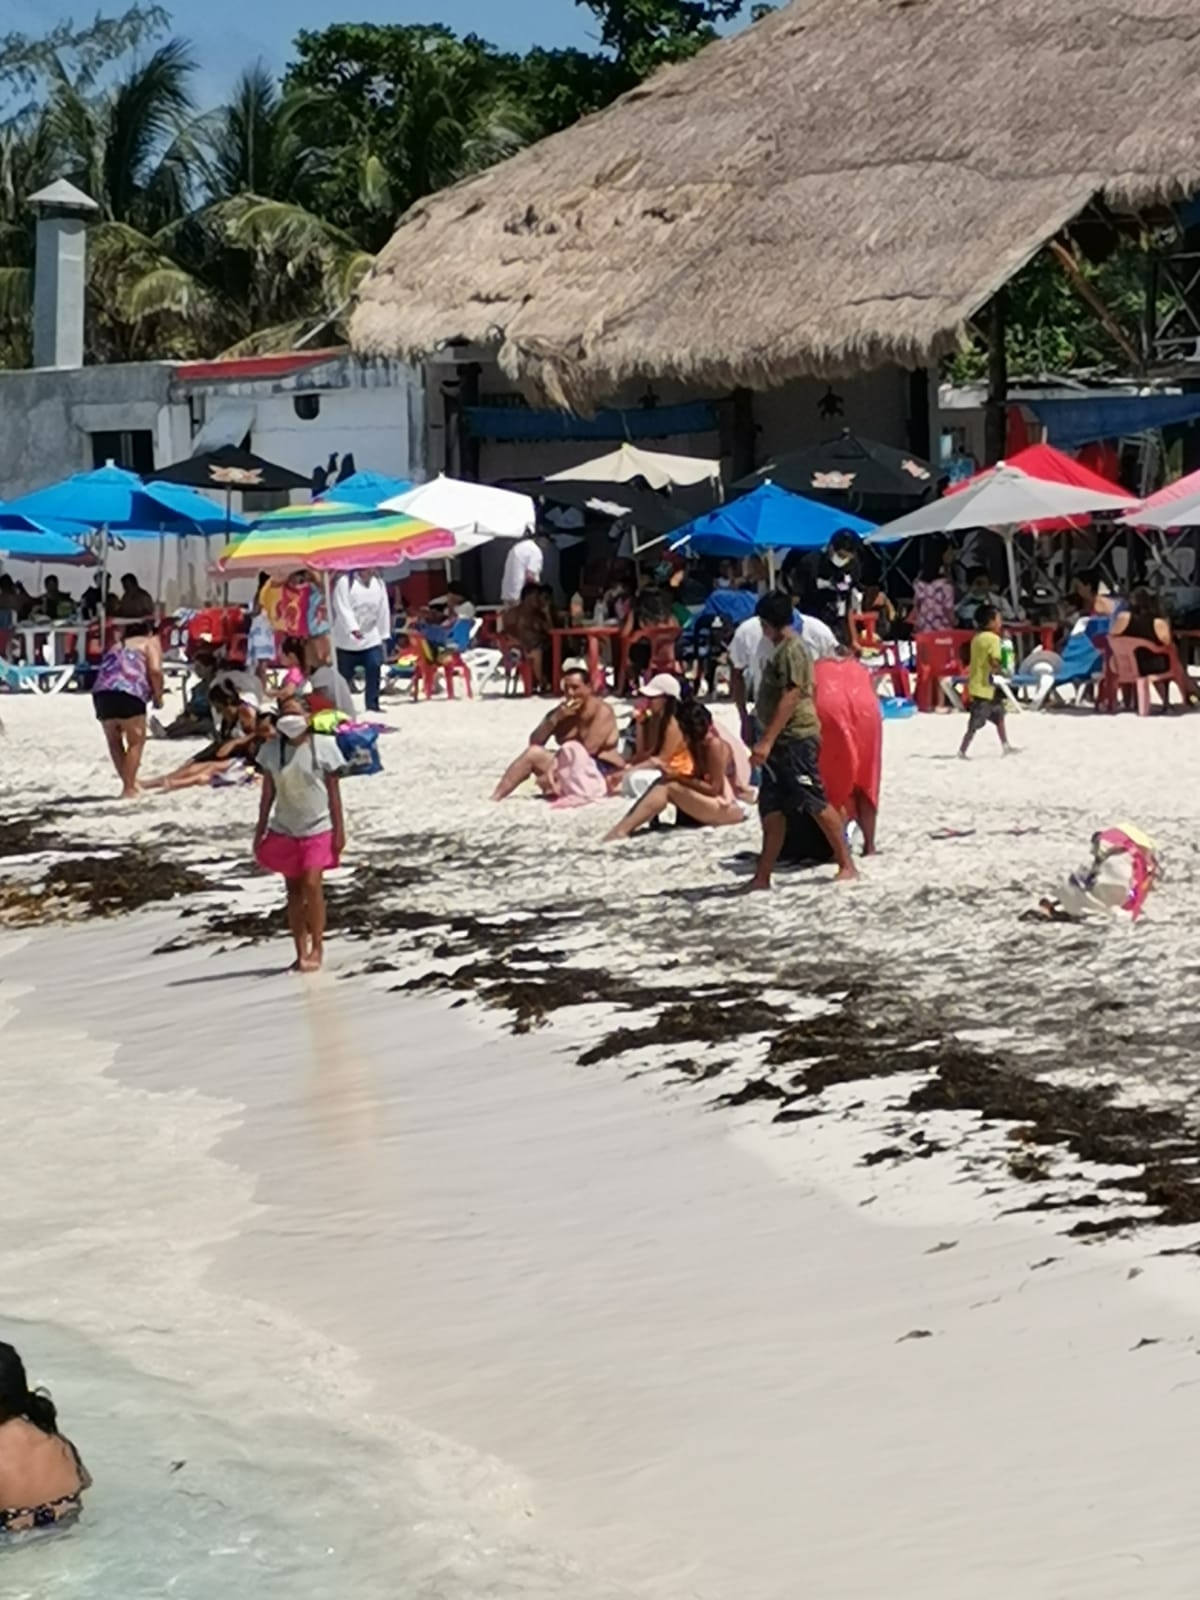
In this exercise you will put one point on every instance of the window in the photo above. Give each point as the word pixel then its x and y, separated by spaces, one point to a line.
pixel 132 449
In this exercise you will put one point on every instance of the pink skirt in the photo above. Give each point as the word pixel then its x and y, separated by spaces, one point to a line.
pixel 279 852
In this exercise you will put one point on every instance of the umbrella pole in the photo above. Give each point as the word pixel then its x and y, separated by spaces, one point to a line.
pixel 228 532
pixel 771 568
pixel 103 588
pixel 1014 587
pixel 158 587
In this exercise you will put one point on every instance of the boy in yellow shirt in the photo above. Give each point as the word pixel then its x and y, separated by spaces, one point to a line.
pixel 987 702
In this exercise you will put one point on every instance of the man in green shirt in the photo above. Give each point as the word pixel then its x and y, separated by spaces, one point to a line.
pixel 789 748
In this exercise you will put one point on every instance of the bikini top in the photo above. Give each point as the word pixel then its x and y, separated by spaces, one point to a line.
pixel 20 1519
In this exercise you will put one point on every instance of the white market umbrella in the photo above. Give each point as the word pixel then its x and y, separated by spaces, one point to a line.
pixel 660 471
pixel 1182 513
pixel 1006 499
pixel 471 511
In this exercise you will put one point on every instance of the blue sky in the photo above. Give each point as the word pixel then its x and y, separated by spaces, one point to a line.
pixel 228 34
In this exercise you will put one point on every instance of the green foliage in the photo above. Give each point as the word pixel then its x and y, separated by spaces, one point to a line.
pixel 1051 329
pixel 403 112
pixel 26 62
pixel 251 226
pixel 643 34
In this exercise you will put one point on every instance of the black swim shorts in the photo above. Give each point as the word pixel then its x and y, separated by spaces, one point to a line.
pixel 791 779
pixel 984 711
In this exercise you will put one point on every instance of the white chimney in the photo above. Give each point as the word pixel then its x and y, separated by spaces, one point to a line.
pixel 60 274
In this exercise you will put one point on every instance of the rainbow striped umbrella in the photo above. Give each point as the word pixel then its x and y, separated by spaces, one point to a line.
pixel 327 537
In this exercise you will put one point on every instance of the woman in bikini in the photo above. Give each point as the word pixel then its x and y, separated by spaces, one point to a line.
pixel 716 794
pixel 42 1478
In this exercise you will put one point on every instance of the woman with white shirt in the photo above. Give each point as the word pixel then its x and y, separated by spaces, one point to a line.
pixel 362 626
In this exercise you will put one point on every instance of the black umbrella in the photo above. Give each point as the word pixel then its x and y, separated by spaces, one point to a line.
pixel 233 469
pixel 647 510
pixel 847 470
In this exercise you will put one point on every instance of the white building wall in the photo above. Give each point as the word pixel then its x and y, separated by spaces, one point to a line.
pixel 373 424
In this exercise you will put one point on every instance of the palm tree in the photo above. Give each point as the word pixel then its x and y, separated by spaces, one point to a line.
pixel 258 143
pixel 27 164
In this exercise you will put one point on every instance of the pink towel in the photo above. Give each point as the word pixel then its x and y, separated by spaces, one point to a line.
pixel 578 778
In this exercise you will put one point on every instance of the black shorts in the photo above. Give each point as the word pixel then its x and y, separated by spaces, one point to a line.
pixel 985 711
pixel 114 705
pixel 791 779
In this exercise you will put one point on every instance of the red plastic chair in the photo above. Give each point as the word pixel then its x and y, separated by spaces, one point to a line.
pixel 1121 671
pixel 940 667
pixel 889 667
pixel 428 665
pixel 207 627
pixel 517 666
pixel 236 649
pixel 662 637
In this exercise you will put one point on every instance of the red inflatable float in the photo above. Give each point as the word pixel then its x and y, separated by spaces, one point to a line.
pixel 851 754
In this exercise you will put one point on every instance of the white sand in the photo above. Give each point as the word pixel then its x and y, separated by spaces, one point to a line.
pixel 683 1330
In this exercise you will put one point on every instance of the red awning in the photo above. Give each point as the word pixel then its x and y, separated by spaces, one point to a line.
pixel 1045 462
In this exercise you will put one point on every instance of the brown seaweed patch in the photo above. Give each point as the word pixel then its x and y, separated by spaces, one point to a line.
pixel 98 886
pixel 708 1020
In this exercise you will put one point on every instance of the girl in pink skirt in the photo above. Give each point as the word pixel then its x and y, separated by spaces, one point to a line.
pixel 301 833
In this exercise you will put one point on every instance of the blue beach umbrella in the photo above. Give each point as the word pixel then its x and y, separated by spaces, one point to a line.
pixel 767 519
pixel 118 500
pixel 369 489
pixel 22 539
pixel 118 506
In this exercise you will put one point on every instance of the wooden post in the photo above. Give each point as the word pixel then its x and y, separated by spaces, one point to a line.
pixel 996 418
pixel 920 420
pixel 470 449
pixel 744 441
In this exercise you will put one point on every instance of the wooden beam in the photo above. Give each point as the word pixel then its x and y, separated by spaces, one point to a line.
pixel 996 406
pixel 1095 302
pixel 744 434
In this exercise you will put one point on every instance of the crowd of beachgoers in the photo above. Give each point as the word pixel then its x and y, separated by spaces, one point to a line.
pixel 702 694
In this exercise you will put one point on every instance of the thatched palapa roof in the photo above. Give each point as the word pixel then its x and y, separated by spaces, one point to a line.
pixel 841 185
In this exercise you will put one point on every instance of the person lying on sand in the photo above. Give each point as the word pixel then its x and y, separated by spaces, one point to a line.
pixel 585 730
pixel 238 741
pixel 717 793
pixel 41 1475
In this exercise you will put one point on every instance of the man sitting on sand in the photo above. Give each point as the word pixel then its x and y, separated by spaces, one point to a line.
pixel 585 730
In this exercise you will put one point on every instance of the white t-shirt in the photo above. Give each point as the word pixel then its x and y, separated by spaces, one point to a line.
pixel 301 806
pixel 522 565
pixel 363 609
pixel 749 650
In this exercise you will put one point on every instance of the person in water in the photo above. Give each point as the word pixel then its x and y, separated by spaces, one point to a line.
pixel 301 832
pixel 42 1478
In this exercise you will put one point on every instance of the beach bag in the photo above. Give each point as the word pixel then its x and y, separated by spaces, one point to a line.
pixel 360 751
pixel 1119 877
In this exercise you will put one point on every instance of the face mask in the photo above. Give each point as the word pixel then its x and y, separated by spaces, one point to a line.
pixel 840 560
pixel 294 727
